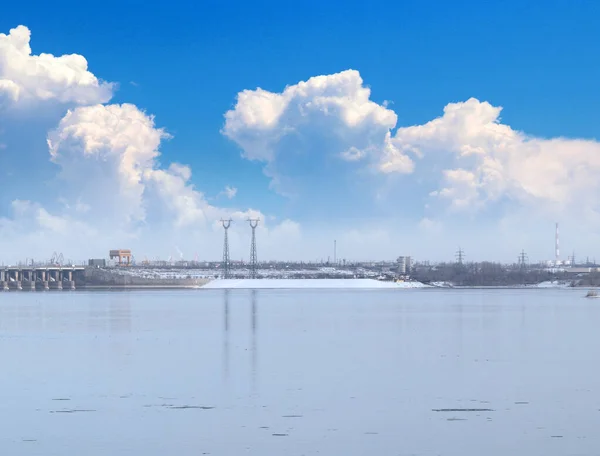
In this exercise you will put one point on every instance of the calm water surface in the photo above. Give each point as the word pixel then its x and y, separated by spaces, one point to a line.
pixel 276 372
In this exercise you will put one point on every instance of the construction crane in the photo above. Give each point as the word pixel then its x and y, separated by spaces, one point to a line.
pixel 57 259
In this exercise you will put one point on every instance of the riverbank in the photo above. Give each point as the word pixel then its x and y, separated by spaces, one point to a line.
pixel 365 284
pixel 97 278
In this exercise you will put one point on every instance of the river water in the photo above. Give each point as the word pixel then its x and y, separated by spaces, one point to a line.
pixel 275 372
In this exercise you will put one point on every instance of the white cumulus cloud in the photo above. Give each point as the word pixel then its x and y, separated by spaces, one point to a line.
pixel 108 152
pixel 27 77
pixel 311 121
pixel 109 155
pixel 490 161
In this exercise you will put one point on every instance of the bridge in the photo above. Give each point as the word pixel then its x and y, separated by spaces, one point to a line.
pixel 38 277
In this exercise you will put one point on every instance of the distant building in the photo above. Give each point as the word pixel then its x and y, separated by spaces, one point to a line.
pixel 557 263
pixel 123 255
pixel 404 264
pixel 97 263
pixel 580 270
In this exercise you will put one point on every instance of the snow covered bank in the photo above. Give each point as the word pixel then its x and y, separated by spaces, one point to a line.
pixel 442 284
pixel 309 284
pixel 410 285
pixel 554 284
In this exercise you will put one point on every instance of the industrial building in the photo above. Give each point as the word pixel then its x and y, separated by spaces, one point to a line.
pixel 124 256
pixel 97 263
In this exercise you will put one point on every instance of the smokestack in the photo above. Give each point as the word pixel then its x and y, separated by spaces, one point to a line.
pixel 334 252
pixel 557 253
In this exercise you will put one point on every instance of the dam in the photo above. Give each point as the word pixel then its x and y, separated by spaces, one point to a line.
pixel 39 278
pixel 54 277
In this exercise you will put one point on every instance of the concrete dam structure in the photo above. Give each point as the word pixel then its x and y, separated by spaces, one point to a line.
pixel 120 277
pixel 40 278
pixel 23 278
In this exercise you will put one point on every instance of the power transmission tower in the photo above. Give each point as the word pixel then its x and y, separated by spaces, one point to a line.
pixel 460 256
pixel 522 259
pixel 253 259
pixel 226 263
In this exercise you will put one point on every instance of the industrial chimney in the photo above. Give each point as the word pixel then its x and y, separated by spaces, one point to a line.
pixel 556 246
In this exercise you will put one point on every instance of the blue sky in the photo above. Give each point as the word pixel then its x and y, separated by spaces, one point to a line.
pixel 185 63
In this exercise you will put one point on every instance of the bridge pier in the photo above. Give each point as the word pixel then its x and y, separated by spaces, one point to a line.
pixel 28 280
pixel 14 280
pixel 3 282
pixel 56 283
pixel 69 282
pixel 41 280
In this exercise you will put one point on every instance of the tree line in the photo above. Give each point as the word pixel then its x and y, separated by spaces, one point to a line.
pixel 485 273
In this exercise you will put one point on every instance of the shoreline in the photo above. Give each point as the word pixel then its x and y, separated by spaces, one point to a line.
pixel 181 287
pixel 138 287
pixel 307 284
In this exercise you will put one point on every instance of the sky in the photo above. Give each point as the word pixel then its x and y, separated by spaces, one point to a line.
pixel 393 128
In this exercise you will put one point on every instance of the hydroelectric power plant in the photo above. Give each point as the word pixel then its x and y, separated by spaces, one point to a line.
pixel 120 270
pixel 39 278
